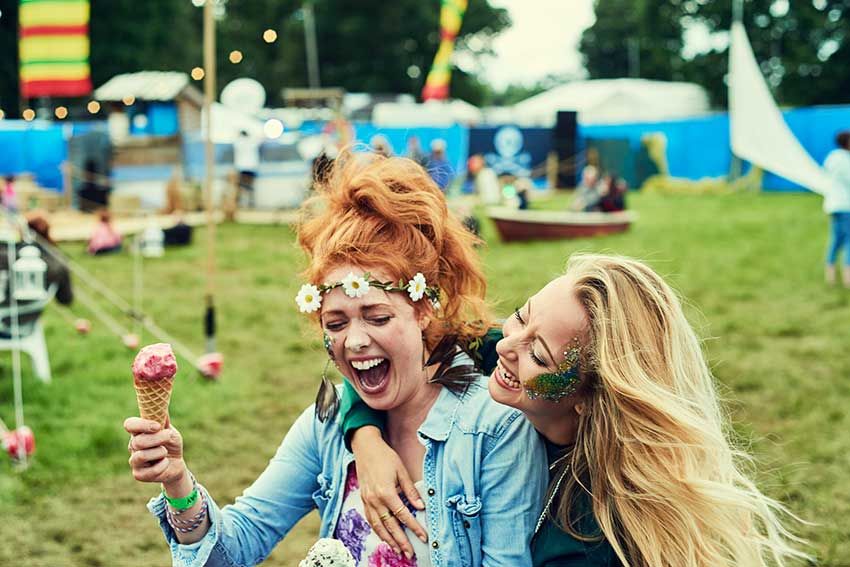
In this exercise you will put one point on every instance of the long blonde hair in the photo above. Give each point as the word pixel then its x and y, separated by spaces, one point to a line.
pixel 652 451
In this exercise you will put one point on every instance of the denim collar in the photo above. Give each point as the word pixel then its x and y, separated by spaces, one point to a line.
pixel 441 418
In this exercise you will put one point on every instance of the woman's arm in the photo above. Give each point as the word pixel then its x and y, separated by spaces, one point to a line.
pixel 245 533
pixel 514 478
pixel 354 414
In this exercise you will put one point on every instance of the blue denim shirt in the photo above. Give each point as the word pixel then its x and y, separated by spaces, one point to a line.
pixel 484 466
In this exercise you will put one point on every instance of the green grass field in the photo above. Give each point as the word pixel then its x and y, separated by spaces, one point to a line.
pixel 750 266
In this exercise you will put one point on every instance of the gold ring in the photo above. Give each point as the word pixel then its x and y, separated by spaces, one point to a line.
pixel 383 517
pixel 400 508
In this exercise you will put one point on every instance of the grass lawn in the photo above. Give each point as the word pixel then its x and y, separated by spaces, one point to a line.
pixel 750 266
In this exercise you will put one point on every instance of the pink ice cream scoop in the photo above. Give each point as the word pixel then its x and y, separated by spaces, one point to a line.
pixel 155 362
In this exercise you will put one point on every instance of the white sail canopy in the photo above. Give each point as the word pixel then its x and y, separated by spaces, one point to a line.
pixel 759 133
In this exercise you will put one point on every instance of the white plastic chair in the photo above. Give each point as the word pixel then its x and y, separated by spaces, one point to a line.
pixel 30 337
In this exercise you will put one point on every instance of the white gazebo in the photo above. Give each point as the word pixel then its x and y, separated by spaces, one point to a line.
pixel 611 101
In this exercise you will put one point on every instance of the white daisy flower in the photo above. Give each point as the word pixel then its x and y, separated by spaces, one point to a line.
pixel 309 298
pixel 355 286
pixel 416 287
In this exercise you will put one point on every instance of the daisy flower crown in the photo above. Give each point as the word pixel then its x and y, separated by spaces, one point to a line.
pixel 309 298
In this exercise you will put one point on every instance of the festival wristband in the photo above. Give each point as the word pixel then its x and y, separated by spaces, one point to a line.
pixel 186 502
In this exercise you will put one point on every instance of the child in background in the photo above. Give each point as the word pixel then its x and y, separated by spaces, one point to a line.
pixel 105 238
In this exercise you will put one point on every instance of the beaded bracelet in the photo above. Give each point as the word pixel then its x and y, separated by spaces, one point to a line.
pixel 180 522
pixel 193 523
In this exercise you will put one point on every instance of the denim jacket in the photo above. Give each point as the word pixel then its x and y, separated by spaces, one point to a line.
pixel 484 469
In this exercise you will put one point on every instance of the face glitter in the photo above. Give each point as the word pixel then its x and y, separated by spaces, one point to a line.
pixel 553 386
pixel 329 342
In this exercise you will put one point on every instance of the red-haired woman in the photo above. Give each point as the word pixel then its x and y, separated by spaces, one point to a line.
pixel 393 281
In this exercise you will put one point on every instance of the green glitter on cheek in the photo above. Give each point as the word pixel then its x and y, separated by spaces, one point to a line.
pixel 553 387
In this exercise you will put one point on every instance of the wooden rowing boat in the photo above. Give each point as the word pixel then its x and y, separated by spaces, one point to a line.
pixel 514 224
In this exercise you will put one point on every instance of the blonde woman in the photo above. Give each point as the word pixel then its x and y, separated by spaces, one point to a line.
pixel 604 364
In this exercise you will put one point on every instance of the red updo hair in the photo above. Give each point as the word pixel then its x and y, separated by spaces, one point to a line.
pixel 387 214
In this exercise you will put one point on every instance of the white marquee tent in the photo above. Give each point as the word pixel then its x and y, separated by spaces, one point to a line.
pixel 609 101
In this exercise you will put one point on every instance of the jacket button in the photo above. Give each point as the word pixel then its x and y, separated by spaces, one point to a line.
pixel 435 545
pixel 466 524
pixel 431 492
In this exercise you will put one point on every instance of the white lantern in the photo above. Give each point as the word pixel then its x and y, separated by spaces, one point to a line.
pixel 29 270
pixel 153 242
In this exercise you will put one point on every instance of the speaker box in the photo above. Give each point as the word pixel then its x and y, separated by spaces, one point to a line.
pixel 564 141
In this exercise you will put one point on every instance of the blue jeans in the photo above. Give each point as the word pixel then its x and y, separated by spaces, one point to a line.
pixel 839 238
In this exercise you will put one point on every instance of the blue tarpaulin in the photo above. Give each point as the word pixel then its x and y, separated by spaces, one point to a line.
pixel 699 147
pixel 36 147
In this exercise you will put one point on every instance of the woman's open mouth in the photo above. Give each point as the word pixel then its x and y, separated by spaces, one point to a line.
pixel 506 379
pixel 373 374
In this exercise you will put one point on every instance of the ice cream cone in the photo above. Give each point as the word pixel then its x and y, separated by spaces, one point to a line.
pixel 153 375
pixel 153 397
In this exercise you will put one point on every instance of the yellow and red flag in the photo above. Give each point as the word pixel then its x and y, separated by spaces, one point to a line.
pixel 437 84
pixel 54 48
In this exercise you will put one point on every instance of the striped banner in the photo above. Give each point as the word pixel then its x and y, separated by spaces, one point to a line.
pixel 437 84
pixel 54 48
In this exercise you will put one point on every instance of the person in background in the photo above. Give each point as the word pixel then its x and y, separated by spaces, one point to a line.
pixel 9 198
pixel 485 180
pixel 438 165
pixel 836 204
pixel 381 146
pixel 523 187
pixel 613 194
pixel 94 191
pixel 104 239
pixel 415 151
pixel 246 160
pixel 587 195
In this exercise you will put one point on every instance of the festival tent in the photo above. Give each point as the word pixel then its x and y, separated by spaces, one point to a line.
pixel 611 101
pixel 758 132
pixel 431 113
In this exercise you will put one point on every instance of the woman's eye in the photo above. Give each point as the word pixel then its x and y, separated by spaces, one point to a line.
pixel 383 320
pixel 519 317
pixel 537 360
pixel 336 326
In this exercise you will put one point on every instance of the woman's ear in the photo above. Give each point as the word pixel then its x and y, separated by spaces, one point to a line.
pixel 424 321
pixel 580 408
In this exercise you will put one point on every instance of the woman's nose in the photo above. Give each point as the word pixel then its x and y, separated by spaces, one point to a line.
pixel 504 347
pixel 357 339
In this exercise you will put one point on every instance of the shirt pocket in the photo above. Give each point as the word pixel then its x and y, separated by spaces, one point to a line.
pixel 322 496
pixel 464 513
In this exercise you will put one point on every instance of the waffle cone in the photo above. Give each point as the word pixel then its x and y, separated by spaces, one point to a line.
pixel 153 397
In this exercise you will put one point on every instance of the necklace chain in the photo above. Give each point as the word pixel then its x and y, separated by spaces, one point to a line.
pixel 545 511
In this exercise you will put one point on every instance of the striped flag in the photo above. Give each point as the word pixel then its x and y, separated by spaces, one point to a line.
pixel 54 48
pixel 437 83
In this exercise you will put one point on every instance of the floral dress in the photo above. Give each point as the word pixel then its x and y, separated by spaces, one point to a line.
pixel 365 546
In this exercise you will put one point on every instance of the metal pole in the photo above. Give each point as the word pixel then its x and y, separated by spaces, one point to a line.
pixel 209 97
pixel 634 57
pixel 738 11
pixel 312 49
